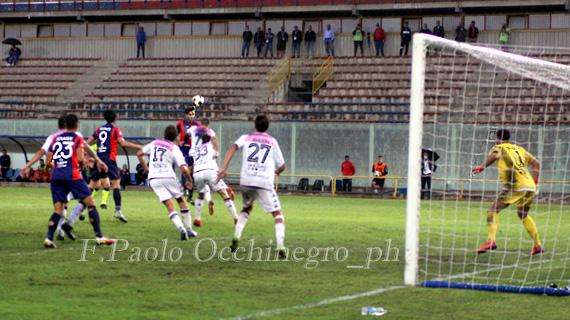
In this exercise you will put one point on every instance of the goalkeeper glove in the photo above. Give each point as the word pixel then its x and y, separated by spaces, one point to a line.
pixel 478 169
pixel 536 180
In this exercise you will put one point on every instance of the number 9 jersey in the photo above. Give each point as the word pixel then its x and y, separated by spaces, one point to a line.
pixel 162 155
pixel 261 155
pixel 64 147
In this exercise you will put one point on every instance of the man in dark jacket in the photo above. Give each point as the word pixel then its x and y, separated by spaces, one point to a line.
pixel 282 39
pixel 405 37
pixel 5 163
pixel 259 40
pixel 438 30
pixel 460 33
pixel 13 56
pixel 141 42
pixel 472 32
pixel 247 36
pixel 297 37
pixel 310 39
pixel 428 168
pixel 425 29
pixel 269 35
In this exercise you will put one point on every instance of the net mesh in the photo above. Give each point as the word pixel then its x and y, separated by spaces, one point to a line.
pixel 470 92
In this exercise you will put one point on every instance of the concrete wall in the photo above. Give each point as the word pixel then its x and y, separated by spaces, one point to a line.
pixel 230 46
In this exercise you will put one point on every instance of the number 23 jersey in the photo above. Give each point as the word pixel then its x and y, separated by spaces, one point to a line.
pixel 260 156
pixel 64 146
pixel 162 156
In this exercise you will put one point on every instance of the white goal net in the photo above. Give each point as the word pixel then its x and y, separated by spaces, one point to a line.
pixel 462 95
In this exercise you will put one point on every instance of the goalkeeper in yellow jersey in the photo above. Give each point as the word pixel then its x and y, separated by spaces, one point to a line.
pixel 519 187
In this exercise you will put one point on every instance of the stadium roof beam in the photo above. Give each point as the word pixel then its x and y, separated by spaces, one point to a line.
pixel 384 8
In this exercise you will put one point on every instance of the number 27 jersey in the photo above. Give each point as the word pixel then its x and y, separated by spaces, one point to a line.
pixel 162 156
pixel 261 155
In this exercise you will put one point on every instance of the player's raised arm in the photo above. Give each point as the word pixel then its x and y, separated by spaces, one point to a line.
pixel 491 158
pixel 224 168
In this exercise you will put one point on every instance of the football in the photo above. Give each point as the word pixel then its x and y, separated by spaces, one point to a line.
pixel 198 101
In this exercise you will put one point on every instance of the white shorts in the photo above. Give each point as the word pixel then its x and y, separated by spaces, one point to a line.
pixel 70 196
pixel 166 188
pixel 205 181
pixel 267 198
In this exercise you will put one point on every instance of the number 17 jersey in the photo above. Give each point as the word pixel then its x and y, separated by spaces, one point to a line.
pixel 162 156
pixel 261 155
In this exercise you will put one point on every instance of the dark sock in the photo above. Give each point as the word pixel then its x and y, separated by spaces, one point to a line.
pixel 94 219
pixel 117 198
pixel 52 225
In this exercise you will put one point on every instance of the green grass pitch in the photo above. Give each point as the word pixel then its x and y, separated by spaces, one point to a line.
pixel 40 284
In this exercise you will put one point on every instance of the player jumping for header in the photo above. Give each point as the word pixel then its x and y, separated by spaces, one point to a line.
pixel 519 188
pixel 261 161
pixel 66 155
pixel 163 155
pixel 108 138
pixel 205 153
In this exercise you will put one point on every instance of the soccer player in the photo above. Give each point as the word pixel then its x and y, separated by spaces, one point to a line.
pixel 261 161
pixel 65 154
pixel 204 151
pixel 519 188
pixel 380 171
pixel 185 140
pixel 108 137
pixel 44 151
pixel 163 154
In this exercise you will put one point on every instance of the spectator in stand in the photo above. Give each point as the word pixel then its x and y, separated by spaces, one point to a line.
pixel 460 33
pixel 269 35
pixel 329 40
pixel 358 39
pixel 348 170
pixel 472 33
pixel 125 177
pixel 438 30
pixel 140 176
pixel 13 56
pixel 504 36
pixel 368 42
pixel 247 36
pixel 405 38
pixel 141 42
pixel 310 39
pixel 425 29
pixel 5 164
pixel 297 37
pixel 259 40
pixel 380 171
pixel 379 39
pixel 282 39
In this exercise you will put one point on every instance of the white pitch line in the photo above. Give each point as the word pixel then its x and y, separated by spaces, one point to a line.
pixel 316 304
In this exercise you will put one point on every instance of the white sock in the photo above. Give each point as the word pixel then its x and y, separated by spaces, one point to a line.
pixel 175 218
pixel 280 232
pixel 198 203
pixel 186 218
pixel 61 221
pixel 207 197
pixel 231 208
pixel 75 213
pixel 242 220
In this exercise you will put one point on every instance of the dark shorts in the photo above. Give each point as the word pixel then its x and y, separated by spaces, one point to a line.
pixel 61 188
pixel 379 182
pixel 113 172
pixel 96 175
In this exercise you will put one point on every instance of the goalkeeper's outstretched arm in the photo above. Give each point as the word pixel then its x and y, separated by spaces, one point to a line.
pixel 491 158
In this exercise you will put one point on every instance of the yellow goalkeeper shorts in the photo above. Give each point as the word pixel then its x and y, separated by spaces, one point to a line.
pixel 518 198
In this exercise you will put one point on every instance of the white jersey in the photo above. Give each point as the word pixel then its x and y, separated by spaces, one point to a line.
pixel 162 156
pixel 204 154
pixel 261 155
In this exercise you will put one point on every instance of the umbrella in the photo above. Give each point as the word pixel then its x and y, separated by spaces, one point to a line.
pixel 12 41
pixel 432 155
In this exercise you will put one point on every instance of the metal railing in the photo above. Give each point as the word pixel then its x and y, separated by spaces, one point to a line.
pixel 279 75
pixel 323 74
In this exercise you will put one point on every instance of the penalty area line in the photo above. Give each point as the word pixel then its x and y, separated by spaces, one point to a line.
pixel 274 312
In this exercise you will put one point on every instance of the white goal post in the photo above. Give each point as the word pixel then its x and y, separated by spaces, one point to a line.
pixel 460 94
